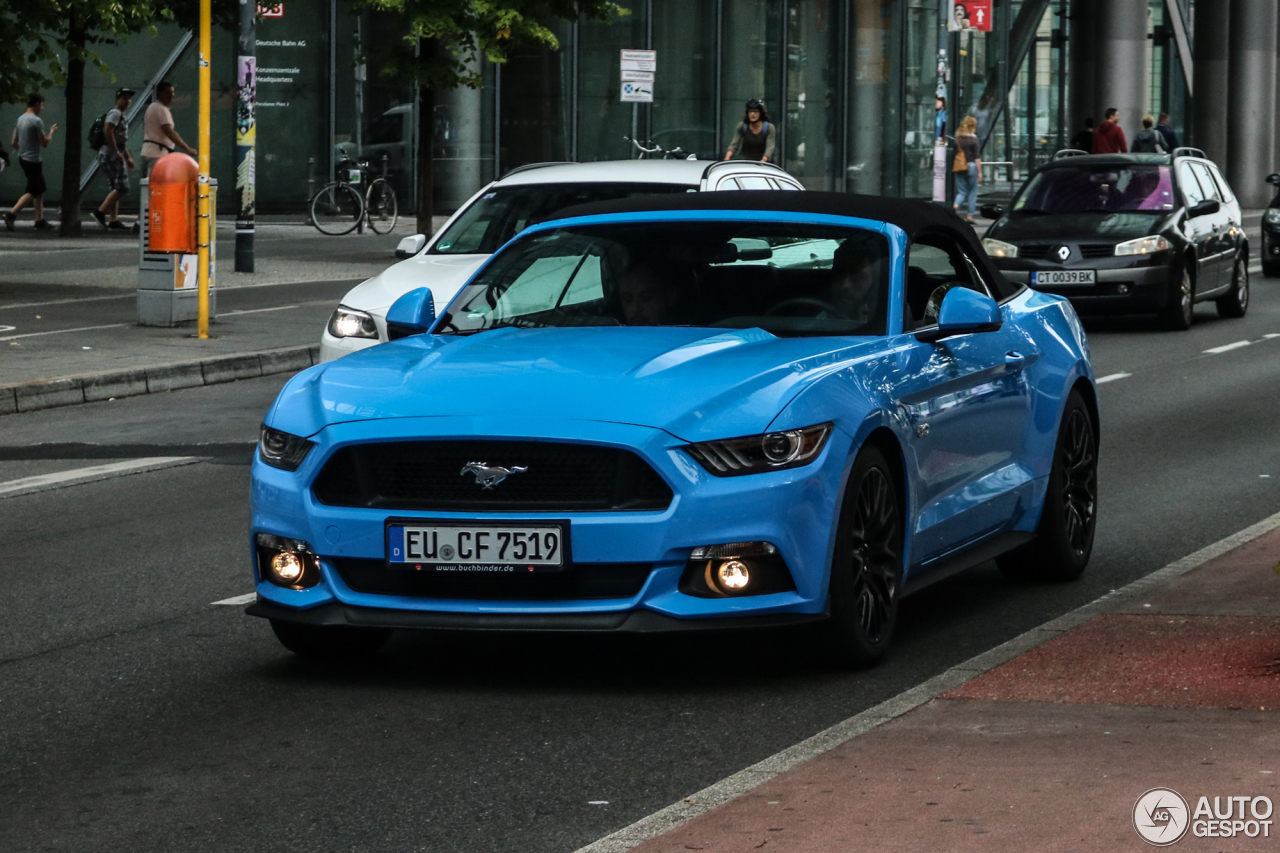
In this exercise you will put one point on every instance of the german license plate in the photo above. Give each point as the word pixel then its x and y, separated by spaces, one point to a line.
pixel 1060 278
pixel 477 548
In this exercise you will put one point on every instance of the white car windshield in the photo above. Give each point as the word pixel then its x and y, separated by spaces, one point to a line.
pixel 504 212
pixel 786 279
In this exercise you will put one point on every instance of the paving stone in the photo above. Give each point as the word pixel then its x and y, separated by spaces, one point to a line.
pixel 119 383
pixel 231 368
pixel 174 376
pixel 49 393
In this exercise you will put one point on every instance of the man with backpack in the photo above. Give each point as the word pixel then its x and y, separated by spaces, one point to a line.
pixel 110 135
pixel 28 138
pixel 159 137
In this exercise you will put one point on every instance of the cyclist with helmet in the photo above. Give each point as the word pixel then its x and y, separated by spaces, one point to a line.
pixel 753 139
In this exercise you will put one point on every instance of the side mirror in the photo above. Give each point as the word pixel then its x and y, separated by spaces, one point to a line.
pixel 1274 178
pixel 963 312
pixel 991 211
pixel 411 314
pixel 1204 208
pixel 410 246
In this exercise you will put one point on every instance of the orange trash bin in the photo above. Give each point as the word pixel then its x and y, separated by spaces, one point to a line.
pixel 172 214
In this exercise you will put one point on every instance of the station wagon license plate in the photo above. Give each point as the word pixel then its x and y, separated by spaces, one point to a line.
pixel 477 548
pixel 1059 278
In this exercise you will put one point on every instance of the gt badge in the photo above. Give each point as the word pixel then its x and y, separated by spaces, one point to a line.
pixel 487 476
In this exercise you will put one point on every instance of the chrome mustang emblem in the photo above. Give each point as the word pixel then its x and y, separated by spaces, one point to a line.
pixel 490 476
pixel 1064 252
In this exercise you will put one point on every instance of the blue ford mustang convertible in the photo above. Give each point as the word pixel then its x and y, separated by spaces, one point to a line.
pixel 695 412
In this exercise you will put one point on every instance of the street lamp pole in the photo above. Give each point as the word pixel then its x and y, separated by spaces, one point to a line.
pixel 204 233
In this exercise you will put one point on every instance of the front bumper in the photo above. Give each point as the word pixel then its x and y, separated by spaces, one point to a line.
pixel 1136 287
pixel 333 348
pixel 794 510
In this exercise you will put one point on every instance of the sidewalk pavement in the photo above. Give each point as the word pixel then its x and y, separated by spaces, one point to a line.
pixel 108 359
pixel 1173 682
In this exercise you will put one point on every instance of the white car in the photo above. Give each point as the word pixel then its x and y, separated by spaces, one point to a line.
pixel 501 210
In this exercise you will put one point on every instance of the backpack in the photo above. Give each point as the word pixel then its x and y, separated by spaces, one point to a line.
pixel 764 131
pixel 98 132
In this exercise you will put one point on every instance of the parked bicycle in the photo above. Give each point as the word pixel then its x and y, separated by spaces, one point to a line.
pixel 339 207
pixel 676 153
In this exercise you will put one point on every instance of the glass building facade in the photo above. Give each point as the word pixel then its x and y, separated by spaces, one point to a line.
pixel 851 87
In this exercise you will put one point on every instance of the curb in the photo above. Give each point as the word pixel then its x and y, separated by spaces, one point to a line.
pixel 732 787
pixel 114 384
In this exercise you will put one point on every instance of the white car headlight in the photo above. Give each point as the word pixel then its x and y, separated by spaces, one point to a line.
pixel 1142 246
pixel 350 323
pixel 999 248
pixel 754 454
pixel 1272 216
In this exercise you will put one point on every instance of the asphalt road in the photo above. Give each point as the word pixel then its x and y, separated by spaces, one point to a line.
pixel 136 715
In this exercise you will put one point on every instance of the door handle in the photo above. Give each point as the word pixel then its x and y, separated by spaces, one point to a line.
pixel 1013 358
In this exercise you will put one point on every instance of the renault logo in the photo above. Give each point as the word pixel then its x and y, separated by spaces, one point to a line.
pixel 1064 252
pixel 490 476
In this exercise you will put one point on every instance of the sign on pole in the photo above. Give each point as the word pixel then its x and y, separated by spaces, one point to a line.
pixel 970 15
pixel 638 69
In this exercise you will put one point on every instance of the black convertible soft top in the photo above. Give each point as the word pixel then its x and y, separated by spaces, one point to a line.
pixel 912 216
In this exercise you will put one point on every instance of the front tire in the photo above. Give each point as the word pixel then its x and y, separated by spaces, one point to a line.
pixel 866 570
pixel 1064 539
pixel 329 642
pixel 1180 311
pixel 1236 303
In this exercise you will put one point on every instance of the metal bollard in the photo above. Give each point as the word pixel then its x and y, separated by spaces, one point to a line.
pixel 311 186
pixel 385 160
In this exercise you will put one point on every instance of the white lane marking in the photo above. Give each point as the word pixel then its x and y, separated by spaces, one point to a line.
pixel 93 473
pixel 257 310
pixel 1112 378
pixel 236 601
pixel 1272 335
pixel 732 787
pixel 64 331
pixel 1228 347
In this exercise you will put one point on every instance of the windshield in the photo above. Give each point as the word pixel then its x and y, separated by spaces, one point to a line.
pixel 786 279
pixel 502 213
pixel 1106 189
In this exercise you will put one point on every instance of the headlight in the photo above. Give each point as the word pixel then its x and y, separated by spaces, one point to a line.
pixel 1142 246
pixel 999 248
pixel 754 454
pixel 282 450
pixel 350 323
pixel 1271 216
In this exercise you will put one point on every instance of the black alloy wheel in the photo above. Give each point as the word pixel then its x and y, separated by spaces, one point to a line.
pixel 1180 311
pixel 1064 539
pixel 1236 303
pixel 329 642
pixel 866 572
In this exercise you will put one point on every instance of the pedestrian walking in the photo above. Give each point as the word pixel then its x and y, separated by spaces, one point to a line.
pixel 1083 140
pixel 1148 140
pixel 939 118
pixel 28 138
pixel 967 166
pixel 1109 137
pixel 1170 137
pixel 158 135
pixel 115 161
pixel 753 139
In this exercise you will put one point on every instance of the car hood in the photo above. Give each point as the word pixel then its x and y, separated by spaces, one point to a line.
pixel 444 274
pixel 694 383
pixel 1085 227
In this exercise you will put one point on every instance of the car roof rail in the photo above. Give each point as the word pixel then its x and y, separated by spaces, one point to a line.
pixel 529 166
pixel 1069 152
pixel 715 164
pixel 1186 151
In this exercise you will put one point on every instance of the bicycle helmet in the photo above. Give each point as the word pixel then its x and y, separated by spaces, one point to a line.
pixel 755 104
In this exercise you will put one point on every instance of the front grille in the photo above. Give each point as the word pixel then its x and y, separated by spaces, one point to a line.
pixel 429 476
pixel 578 581
pixel 1033 253
pixel 1085 250
pixel 1097 250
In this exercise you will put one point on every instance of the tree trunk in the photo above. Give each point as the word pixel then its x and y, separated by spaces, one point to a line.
pixel 426 142
pixel 73 134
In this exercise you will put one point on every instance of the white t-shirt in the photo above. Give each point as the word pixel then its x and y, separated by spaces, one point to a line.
pixel 155 142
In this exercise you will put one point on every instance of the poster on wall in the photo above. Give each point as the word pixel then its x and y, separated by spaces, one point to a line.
pixel 969 15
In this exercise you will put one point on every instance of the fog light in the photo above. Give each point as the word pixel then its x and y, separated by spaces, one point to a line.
pixel 288 567
pixel 733 575
pixel 1124 288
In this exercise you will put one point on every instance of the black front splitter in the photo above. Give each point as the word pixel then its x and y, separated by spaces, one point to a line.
pixel 627 621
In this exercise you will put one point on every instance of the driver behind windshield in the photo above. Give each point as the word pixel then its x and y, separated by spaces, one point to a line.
pixel 855 277
pixel 647 293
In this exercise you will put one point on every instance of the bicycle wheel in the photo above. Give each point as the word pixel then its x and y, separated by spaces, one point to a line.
pixel 381 204
pixel 336 209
